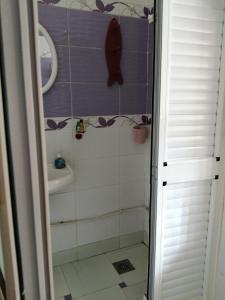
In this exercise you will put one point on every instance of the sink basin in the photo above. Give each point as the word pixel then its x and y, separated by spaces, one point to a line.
pixel 58 179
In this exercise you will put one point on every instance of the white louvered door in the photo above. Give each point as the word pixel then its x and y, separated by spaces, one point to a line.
pixel 191 103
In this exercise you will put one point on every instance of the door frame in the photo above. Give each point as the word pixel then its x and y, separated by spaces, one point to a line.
pixel 24 118
pixel 161 57
pixel 10 272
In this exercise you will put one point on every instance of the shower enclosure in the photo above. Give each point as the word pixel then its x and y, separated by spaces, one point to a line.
pixel 99 220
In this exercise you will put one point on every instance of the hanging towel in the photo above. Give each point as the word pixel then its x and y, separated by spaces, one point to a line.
pixel 113 51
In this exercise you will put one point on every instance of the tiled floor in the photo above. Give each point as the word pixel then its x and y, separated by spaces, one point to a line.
pixel 95 278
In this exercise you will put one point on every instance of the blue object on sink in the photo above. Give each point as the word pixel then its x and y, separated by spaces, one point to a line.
pixel 60 162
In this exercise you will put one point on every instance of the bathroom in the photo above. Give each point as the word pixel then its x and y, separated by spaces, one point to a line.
pixel 100 217
pixel 112 150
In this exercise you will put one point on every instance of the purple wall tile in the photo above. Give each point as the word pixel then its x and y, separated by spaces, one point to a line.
pixel 134 67
pixel 88 29
pixel 86 32
pixel 134 33
pixel 95 100
pixel 57 101
pixel 88 65
pixel 52 16
pixel 58 35
pixel 133 99
pixel 151 39
pixel 63 74
pixel 54 19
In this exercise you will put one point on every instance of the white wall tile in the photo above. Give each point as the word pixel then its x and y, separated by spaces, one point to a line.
pixel 97 143
pixel 119 9
pixel 132 168
pixel 132 221
pixel 110 173
pixel 133 9
pixel 66 139
pixel 64 237
pixel 53 144
pixel 97 230
pixel 132 194
pixel 146 221
pixel 127 144
pixel 98 172
pixel 147 194
pixel 59 141
pixel 63 3
pixel 98 201
pixel 62 207
pixel 148 159
pixel 67 189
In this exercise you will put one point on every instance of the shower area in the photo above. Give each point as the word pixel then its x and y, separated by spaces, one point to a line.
pixel 98 141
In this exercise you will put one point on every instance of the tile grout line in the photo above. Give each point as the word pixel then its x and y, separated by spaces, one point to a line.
pixel 147 53
pixel 70 71
pixel 68 287
pixel 71 109
pixel 110 263
pixel 119 148
pixel 97 48
pixel 81 279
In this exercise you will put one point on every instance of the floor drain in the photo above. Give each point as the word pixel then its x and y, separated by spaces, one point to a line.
pixel 122 285
pixel 123 266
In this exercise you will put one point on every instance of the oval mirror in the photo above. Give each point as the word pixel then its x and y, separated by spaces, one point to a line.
pixel 48 58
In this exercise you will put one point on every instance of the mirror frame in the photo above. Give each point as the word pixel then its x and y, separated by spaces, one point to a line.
pixel 52 78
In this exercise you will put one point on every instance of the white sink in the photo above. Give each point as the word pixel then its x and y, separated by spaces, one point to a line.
pixel 58 179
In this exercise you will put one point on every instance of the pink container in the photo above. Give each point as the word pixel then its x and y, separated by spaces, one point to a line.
pixel 140 134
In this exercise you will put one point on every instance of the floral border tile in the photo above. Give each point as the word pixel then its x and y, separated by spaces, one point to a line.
pixel 124 8
pixel 98 122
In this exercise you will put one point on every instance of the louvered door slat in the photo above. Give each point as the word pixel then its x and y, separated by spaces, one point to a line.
pixel 190 111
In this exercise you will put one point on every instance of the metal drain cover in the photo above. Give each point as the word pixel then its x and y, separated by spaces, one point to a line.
pixel 123 266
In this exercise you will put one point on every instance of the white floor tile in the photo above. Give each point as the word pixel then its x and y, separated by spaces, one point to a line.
pixel 114 293
pixel 96 279
pixel 73 281
pixel 96 273
pixel 136 292
pixel 60 285
pixel 138 256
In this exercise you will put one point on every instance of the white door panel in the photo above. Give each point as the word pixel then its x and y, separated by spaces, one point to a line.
pixel 191 101
pixel 8 259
